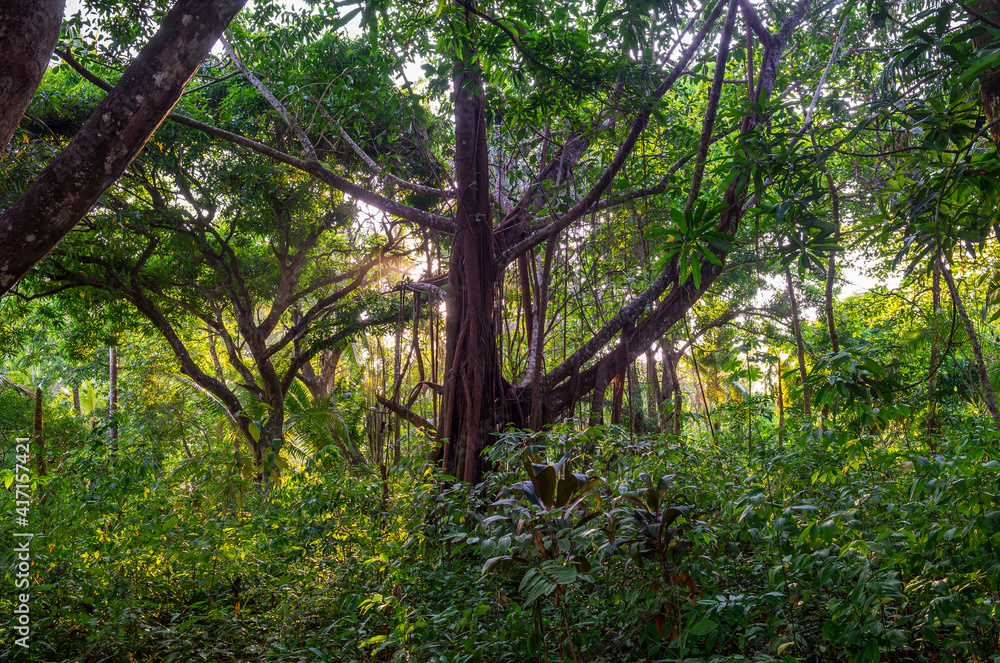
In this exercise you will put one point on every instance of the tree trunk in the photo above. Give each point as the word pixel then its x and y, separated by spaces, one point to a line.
pixel 397 379
pixel 678 419
pixel 76 400
pixel 524 279
pixel 38 432
pixel 113 395
pixel 113 135
pixel 597 398
pixel 931 425
pixel 273 430
pixel 800 347
pixel 29 30
pixel 831 270
pixel 656 395
pixel 984 380
pixel 635 418
pixel 617 395
pixel 781 409
pixel 989 81
pixel 536 342
pixel 474 400
pixel 415 338
pixel 671 388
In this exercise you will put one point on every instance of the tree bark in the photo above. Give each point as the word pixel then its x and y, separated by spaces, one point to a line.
pixel 536 357
pixel 525 280
pixel 670 372
pixel 474 402
pixel 76 400
pixel 29 30
pixel 113 135
pixel 397 379
pixel 597 398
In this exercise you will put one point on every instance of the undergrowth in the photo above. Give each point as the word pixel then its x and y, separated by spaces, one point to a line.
pixel 580 546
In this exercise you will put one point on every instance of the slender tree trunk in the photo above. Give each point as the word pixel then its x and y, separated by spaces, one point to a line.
pixel 617 392
pixel 617 395
pixel 397 379
pixel 331 360
pixel 187 449
pixel 38 432
pixel 597 402
pixel 749 410
pixel 666 381
pixel 415 337
pixel 220 374
pixel 76 400
pixel 29 30
pixel 536 359
pixel 984 381
pixel 274 427
pixel 634 401
pixel 781 408
pixel 671 388
pixel 678 418
pixel 800 348
pixel 831 270
pixel 113 395
pixel 656 398
pixel 931 425
pixel 524 278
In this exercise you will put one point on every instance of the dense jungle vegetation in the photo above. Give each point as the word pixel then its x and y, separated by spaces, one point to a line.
pixel 477 331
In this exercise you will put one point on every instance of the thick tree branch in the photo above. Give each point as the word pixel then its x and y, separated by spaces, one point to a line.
pixel 29 30
pixel 407 414
pixel 318 170
pixel 113 135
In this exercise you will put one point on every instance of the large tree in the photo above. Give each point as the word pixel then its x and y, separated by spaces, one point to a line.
pixel 545 125
pixel 556 181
